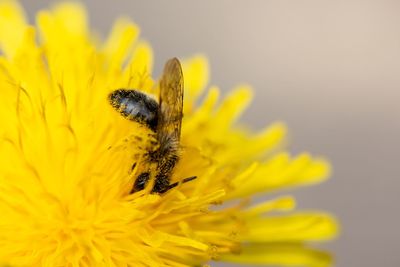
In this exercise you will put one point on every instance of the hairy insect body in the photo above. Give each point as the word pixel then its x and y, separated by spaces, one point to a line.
pixel 163 161
pixel 167 158
pixel 164 119
pixel 136 106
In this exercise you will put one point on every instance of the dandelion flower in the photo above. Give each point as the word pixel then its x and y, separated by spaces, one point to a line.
pixel 66 159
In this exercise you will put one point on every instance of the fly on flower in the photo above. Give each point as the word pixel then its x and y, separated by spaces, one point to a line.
pixel 164 119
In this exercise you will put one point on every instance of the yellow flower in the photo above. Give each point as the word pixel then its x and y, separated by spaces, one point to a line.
pixel 66 157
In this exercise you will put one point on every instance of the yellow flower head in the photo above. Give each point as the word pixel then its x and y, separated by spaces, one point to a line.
pixel 69 160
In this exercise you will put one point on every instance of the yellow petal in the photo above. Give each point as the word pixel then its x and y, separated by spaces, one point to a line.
pixel 120 42
pixel 72 16
pixel 282 255
pixel 295 227
pixel 195 71
pixel 282 172
pixel 12 26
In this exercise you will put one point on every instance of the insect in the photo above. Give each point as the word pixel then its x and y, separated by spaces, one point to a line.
pixel 164 118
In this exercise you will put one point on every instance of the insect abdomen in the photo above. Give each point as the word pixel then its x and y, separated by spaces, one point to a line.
pixel 136 106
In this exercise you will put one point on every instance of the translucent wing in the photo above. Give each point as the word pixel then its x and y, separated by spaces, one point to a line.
pixel 171 100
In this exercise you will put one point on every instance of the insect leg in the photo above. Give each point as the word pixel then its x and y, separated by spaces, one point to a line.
pixel 177 183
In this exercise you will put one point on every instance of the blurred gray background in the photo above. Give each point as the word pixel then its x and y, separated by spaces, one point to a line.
pixel 330 69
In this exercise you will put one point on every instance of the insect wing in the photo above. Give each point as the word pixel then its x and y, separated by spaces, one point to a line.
pixel 171 99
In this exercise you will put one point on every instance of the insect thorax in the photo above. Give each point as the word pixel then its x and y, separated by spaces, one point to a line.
pixel 163 160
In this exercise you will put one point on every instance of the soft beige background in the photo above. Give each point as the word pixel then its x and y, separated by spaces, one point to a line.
pixel 330 69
